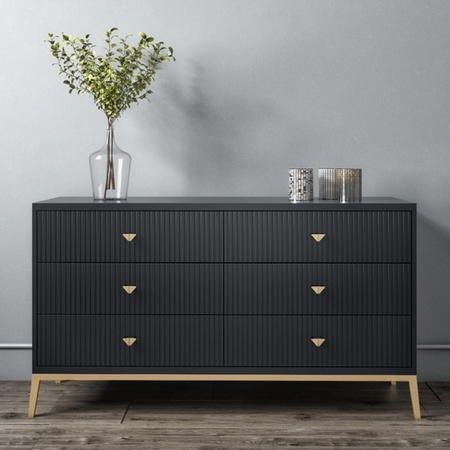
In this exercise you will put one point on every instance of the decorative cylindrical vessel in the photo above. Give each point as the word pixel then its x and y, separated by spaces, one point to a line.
pixel 301 186
pixel 327 184
pixel 348 185
pixel 110 170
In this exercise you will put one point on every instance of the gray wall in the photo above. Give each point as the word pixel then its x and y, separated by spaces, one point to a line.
pixel 258 86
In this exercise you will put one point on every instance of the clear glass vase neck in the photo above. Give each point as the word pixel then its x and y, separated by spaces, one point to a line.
pixel 110 122
pixel 110 137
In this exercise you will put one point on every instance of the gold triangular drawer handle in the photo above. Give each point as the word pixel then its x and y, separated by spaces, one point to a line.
pixel 129 236
pixel 318 236
pixel 129 341
pixel 318 341
pixel 129 289
pixel 318 289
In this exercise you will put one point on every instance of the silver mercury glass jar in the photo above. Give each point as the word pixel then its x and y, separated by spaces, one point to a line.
pixel 348 184
pixel 341 184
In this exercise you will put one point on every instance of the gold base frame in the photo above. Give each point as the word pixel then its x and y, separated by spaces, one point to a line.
pixel 59 377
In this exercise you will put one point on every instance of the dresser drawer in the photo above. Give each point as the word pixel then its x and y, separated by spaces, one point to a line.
pixel 97 341
pixel 280 341
pixel 318 289
pixel 126 288
pixel 318 236
pixel 136 236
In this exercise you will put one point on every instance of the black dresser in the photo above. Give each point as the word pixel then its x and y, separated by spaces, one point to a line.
pixel 233 288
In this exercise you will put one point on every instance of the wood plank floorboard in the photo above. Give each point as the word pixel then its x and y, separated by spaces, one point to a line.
pixel 216 415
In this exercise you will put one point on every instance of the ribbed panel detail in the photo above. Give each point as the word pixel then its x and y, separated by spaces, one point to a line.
pixel 327 184
pixel 243 300
pixel 183 341
pixel 349 289
pixel 351 236
pixel 95 288
pixel 280 341
pixel 161 236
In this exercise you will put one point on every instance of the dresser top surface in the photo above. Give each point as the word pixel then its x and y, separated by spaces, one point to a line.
pixel 220 203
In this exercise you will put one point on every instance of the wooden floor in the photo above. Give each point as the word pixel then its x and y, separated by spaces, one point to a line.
pixel 216 415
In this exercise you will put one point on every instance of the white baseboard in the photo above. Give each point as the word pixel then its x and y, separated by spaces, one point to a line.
pixel 12 346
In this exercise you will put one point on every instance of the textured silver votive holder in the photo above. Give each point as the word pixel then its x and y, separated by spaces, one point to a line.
pixel 301 185
pixel 348 185
pixel 327 184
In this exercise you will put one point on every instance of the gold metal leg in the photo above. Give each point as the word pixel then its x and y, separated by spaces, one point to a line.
pixel 34 394
pixel 414 393
pixel 57 377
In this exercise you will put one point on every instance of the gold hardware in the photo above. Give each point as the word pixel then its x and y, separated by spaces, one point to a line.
pixel 318 289
pixel 318 236
pixel 38 378
pixel 129 236
pixel 129 289
pixel 129 340
pixel 318 341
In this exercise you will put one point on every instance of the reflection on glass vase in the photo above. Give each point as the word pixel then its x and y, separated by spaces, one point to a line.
pixel 110 170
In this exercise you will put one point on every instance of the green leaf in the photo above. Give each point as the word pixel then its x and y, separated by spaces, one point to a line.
pixel 115 80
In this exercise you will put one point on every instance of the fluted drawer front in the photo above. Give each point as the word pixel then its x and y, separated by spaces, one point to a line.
pixel 349 236
pixel 282 341
pixel 160 236
pixel 318 289
pixel 161 341
pixel 125 288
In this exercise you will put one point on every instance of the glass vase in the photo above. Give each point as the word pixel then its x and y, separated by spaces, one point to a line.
pixel 110 170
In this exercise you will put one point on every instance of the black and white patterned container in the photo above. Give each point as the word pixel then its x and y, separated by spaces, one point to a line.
pixel 301 185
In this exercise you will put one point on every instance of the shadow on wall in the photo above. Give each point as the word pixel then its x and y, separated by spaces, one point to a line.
pixel 224 142
pixel 209 147
pixel 211 122
pixel 433 281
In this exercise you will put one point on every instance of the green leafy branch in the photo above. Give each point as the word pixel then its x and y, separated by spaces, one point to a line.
pixel 115 80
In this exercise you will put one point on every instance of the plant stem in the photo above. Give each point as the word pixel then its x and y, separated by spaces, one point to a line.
pixel 110 182
pixel 112 175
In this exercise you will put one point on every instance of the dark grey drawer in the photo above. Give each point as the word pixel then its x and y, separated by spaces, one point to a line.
pixel 97 341
pixel 160 236
pixel 101 288
pixel 318 289
pixel 349 236
pixel 350 342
